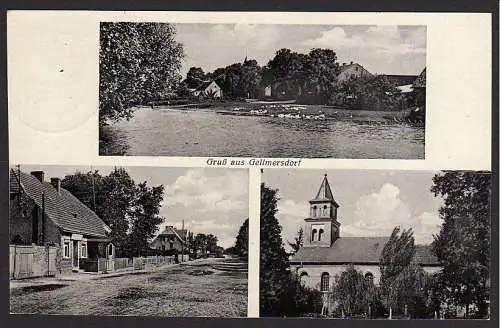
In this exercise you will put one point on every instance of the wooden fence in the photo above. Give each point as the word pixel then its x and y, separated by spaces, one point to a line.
pixel 32 261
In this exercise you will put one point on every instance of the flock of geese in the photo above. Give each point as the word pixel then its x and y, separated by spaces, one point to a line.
pixel 288 115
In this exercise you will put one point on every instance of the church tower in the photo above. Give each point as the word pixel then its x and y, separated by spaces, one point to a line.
pixel 322 227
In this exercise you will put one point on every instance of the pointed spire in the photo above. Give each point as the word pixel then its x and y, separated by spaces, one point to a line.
pixel 325 192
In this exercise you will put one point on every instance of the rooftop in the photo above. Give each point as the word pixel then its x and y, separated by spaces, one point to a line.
pixel 64 209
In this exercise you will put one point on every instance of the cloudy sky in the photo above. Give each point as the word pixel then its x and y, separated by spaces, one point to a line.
pixel 382 49
pixel 371 203
pixel 208 200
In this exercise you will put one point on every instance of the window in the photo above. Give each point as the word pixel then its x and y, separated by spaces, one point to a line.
pixel 83 250
pixel 314 210
pixel 313 235
pixel 325 282
pixel 66 250
pixel 320 234
pixel 171 245
pixel 369 275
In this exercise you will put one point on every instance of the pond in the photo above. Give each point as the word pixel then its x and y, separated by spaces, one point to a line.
pixel 205 133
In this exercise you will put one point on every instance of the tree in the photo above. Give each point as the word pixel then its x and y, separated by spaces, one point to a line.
pixel 195 76
pixel 298 242
pixel 130 210
pixel 354 292
pixel 463 244
pixel 139 62
pixel 145 218
pixel 397 255
pixel 281 293
pixel 274 267
pixel 368 93
pixel 241 244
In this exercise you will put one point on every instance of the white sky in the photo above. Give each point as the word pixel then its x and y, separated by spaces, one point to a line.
pixel 208 200
pixel 382 49
pixel 371 202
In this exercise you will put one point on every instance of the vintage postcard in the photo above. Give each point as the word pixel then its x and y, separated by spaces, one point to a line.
pixel 234 164
pixel 136 241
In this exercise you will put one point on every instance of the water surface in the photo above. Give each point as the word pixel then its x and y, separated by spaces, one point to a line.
pixel 167 132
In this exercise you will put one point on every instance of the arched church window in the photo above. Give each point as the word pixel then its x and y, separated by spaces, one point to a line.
pixel 325 210
pixel 314 210
pixel 320 234
pixel 325 281
pixel 313 235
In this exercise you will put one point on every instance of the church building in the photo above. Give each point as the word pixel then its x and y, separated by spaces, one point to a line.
pixel 326 253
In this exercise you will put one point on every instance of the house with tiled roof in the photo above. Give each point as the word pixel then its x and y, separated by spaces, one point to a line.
pixel 326 253
pixel 44 213
pixel 208 89
pixel 170 239
pixel 352 71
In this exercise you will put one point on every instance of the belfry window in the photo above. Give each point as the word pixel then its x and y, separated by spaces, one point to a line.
pixel 325 281
pixel 314 211
pixel 313 235
pixel 320 234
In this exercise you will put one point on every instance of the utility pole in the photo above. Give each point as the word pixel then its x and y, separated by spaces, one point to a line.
pixel 93 188
pixel 183 241
pixel 43 217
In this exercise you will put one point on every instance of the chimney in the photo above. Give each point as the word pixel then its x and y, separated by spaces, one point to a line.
pixel 351 62
pixel 56 183
pixel 343 64
pixel 40 175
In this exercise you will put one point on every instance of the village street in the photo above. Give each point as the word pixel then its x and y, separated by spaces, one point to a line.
pixel 191 289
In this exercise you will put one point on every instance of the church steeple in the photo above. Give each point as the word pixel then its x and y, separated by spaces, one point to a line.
pixel 324 193
pixel 322 227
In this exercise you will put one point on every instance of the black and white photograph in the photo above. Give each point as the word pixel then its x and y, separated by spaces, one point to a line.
pixel 131 241
pixel 262 90
pixel 368 244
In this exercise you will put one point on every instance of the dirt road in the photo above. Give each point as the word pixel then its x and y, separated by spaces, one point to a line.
pixel 192 289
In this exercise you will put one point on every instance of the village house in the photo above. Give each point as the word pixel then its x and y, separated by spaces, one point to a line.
pixel 208 89
pixel 45 216
pixel 326 254
pixel 419 86
pixel 170 239
pixel 352 71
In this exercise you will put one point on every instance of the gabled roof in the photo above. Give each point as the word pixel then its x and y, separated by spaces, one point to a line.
pixel 324 193
pixel 205 85
pixel 171 231
pixel 360 250
pixel 399 80
pixel 64 209
pixel 420 80
pixel 357 250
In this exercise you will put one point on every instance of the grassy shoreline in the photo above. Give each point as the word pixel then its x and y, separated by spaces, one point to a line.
pixel 330 112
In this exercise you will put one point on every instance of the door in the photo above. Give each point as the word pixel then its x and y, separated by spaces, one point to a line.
pixel 76 254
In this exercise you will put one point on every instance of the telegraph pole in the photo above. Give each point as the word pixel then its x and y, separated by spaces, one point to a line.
pixel 183 241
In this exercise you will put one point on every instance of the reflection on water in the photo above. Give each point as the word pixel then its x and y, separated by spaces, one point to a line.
pixel 205 133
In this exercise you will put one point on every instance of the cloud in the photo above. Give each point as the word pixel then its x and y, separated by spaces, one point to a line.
pixel 388 40
pixel 218 193
pixel 373 214
pixel 378 213
pixel 216 204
